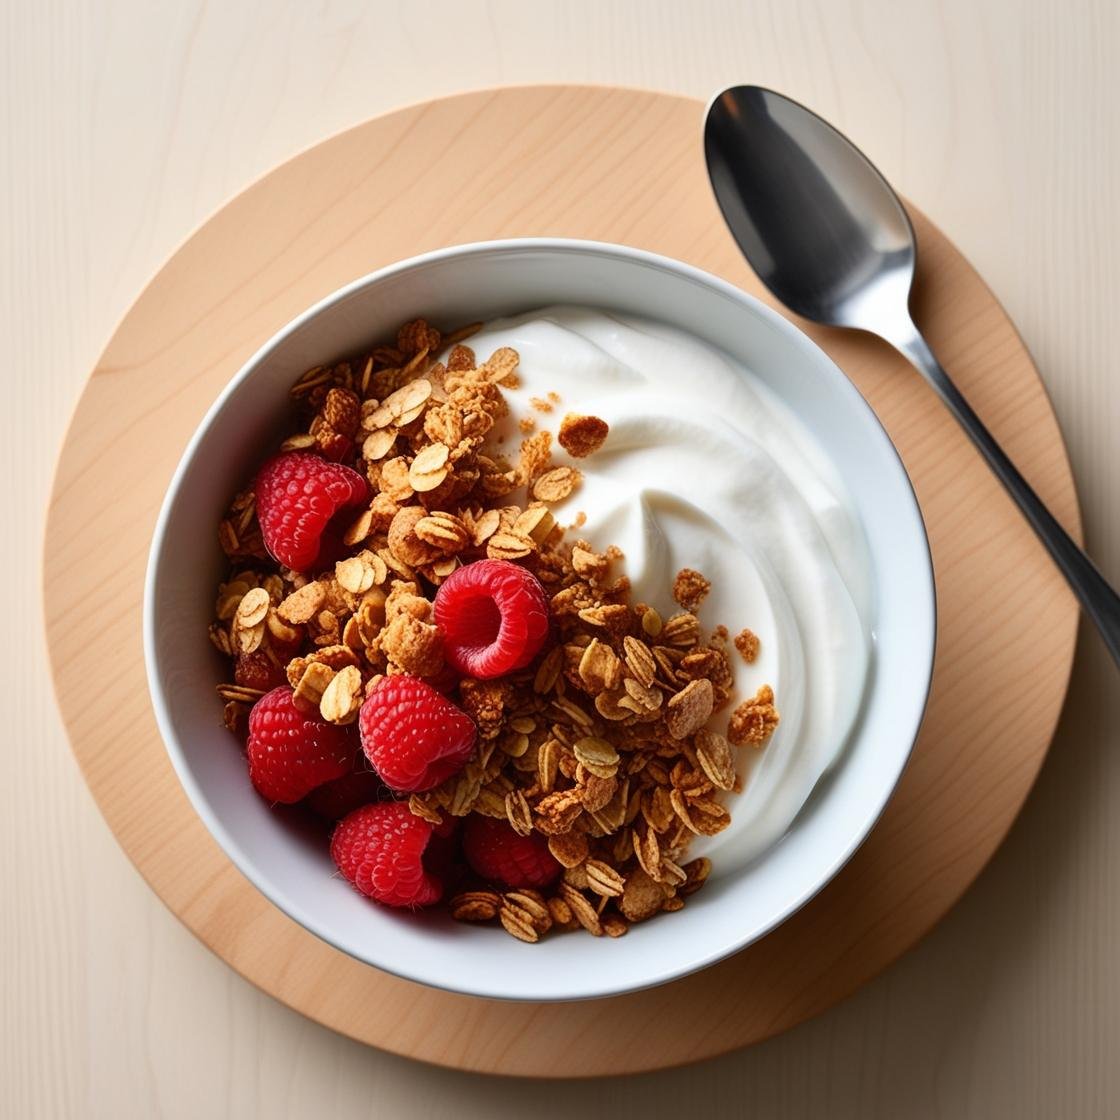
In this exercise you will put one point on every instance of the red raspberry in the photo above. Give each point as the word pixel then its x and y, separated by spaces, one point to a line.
pixel 258 670
pixel 414 737
pixel 334 799
pixel 298 494
pixel 498 853
pixel 494 618
pixel 391 855
pixel 291 753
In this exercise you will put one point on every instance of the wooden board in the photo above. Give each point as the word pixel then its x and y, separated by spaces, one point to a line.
pixel 618 165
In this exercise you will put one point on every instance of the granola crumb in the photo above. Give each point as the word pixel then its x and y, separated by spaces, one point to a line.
pixel 746 642
pixel 580 436
pixel 460 358
pixel 417 335
pixel 535 458
pixel 554 396
pixel 555 485
pixel 526 424
pixel 540 405
pixel 754 720
pixel 690 588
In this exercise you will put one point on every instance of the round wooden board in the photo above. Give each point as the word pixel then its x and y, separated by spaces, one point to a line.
pixel 616 165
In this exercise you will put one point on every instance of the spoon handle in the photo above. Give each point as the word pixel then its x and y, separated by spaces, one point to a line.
pixel 1099 600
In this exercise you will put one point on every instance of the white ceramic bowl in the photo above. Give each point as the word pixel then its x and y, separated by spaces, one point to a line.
pixel 291 865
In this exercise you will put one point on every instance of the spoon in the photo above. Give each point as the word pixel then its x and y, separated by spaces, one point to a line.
pixel 830 239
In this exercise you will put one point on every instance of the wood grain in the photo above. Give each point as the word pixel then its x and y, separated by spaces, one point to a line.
pixel 552 161
pixel 127 123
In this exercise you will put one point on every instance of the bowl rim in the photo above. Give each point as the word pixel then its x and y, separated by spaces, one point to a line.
pixel 793 336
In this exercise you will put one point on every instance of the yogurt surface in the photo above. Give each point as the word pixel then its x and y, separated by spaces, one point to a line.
pixel 706 468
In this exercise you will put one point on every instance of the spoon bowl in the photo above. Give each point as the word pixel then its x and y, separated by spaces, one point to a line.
pixel 813 216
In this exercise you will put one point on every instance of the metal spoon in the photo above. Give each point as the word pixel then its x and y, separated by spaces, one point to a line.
pixel 828 236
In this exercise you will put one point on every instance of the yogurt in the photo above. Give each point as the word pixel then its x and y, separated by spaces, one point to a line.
pixel 706 468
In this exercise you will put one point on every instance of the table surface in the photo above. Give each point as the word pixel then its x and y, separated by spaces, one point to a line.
pixel 127 123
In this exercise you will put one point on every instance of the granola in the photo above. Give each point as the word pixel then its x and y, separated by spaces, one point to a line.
pixel 747 643
pixel 581 436
pixel 605 744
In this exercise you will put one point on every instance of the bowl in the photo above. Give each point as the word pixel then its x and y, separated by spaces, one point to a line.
pixel 291 865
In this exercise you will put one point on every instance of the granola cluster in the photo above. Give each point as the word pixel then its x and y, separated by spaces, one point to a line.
pixel 604 744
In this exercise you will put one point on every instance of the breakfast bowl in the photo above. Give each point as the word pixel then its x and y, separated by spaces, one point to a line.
pixel 814 792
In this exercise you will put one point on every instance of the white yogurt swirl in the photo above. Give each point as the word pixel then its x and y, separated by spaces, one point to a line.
pixel 705 468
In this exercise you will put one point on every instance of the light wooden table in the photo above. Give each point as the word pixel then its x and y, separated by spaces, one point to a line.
pixel 125 124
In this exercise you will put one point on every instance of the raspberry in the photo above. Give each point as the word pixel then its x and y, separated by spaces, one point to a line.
pixel 258 670
pixel 291 753
pixel 414 737
pixel 334 799
pixel 298 494
pixel 494 618
pixel 391 855
pixel 496 852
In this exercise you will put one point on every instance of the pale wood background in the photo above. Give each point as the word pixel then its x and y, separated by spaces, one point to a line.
pixel 125 124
